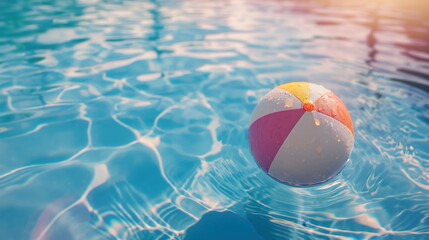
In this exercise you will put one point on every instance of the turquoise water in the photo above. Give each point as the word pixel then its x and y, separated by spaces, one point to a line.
pixel 128 119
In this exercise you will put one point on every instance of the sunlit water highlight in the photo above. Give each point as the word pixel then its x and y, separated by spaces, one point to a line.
pixel 128 119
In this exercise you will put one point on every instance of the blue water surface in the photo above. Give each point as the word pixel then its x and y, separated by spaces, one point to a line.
pixel 128 119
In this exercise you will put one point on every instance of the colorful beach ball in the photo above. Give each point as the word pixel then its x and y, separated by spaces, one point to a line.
pixel 301 134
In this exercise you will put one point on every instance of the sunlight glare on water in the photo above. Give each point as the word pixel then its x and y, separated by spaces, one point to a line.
pixel 128 119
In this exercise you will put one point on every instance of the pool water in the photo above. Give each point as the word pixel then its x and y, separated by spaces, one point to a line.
pixel 128 119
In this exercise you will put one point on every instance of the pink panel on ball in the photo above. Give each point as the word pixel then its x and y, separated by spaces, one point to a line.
pixel 267 134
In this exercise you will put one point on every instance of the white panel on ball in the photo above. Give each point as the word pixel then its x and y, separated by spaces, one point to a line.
pixel 314 152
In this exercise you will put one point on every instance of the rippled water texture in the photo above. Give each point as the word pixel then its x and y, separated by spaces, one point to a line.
pixel 128 119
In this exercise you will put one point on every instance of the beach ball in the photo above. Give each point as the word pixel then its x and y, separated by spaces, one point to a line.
pixel 301 134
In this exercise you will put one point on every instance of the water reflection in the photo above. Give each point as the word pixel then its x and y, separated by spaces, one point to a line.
pixel 148 102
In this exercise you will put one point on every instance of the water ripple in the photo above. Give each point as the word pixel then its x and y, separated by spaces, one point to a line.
pixel 128 119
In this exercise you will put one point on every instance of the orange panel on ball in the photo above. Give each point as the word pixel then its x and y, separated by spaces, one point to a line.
pixel 330 105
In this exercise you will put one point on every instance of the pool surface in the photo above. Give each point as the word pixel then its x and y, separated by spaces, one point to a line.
pixel 128 119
